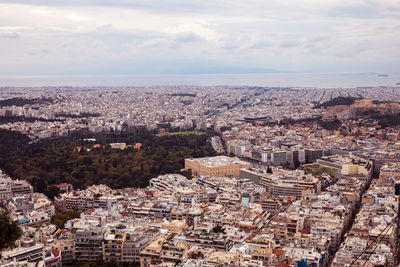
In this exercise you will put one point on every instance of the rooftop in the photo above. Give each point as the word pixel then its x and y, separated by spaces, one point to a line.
pixel 218 161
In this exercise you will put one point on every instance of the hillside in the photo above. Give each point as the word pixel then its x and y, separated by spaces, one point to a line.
pixel 337 101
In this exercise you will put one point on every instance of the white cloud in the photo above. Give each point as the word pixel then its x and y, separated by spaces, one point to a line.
pixel 150 36
pixel 75 17
pixel 196 29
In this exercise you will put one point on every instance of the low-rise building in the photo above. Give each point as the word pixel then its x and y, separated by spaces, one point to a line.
pixel 220 166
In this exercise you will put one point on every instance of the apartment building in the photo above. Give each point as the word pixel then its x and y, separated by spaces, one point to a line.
pixel 26 250
pixel 88 244
pixel 134 243
pixel 113 244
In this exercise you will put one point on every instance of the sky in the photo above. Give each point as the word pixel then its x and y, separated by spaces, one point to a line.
pixel 64 37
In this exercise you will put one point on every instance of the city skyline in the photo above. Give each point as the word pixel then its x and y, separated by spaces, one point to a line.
pixel 199 133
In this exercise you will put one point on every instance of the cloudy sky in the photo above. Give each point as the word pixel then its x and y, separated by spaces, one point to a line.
pixel 40 37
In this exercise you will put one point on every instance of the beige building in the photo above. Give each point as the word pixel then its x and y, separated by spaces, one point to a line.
pixel 5 192
pixel 290 183
pixel 173 251
pixel 113 244
pixel 219 166
pixel 150 255
pixel 27 249
pixel 347 165
pixel 20 187
pixel 134 243
pixel 66 245
pixel 175 227
pixel 295 186
pixel 390 170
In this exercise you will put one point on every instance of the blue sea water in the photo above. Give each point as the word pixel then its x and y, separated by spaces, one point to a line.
pixel 322 80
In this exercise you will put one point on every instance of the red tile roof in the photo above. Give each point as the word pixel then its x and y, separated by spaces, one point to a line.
pixel 278 252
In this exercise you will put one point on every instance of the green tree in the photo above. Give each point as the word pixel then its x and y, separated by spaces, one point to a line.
pixel 53 191
pixel 57 160
pixel 61 218
pixel 10 231
pixel 187 173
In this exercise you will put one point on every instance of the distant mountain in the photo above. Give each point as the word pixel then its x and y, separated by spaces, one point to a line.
pixel 226 70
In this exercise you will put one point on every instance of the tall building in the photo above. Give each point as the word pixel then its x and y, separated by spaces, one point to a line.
pixel 313 154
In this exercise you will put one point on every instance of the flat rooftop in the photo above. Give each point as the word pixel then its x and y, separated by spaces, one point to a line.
pixel 218 161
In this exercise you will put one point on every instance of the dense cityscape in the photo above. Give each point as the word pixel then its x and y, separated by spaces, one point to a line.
pixel 201 133
pixel 200 176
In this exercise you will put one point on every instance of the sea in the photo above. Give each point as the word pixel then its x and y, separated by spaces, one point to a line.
pixel 303 80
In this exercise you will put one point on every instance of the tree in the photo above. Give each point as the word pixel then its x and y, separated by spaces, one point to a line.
pixel 269 170
pixel 10 231
pixel 218 229
pixel 286 165
pixel 296 164
pixel 61 218
pixel 187 173
pixel 52 192
pixel 56 160
pixel 41 186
